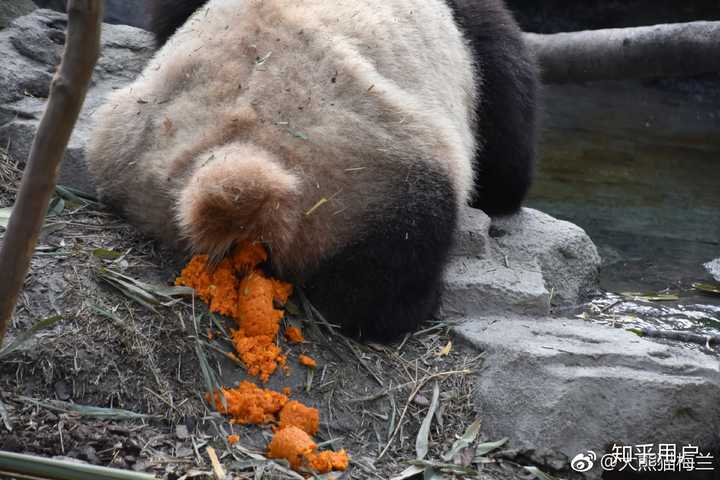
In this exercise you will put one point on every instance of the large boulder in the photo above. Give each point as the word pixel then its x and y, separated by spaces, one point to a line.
pixel 566 386
pixel 31 48
pixel 520 264
pixel 11 9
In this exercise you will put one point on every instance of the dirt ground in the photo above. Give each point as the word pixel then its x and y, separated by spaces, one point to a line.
pixel 142 368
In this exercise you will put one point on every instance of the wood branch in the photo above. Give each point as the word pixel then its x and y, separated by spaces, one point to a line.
pixel 67 94
pixel 682 49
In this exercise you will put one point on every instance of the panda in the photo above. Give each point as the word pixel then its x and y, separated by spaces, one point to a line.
pixel 344 135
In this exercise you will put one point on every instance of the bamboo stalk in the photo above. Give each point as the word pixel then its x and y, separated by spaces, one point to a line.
pixel 67 95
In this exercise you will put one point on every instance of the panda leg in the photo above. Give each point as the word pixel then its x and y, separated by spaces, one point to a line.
pixel 507 113
pixel 387 282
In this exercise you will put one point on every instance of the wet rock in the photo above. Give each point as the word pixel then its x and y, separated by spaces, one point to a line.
pixel 518 264
pixel 11 9
pixel 569 386
pixel 713 269
pixel 31 48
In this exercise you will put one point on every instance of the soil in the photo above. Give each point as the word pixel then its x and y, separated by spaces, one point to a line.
pixel 111 352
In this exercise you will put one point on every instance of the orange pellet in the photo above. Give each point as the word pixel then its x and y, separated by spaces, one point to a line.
pixel 294 335
pixel 233 439
pixel 307 361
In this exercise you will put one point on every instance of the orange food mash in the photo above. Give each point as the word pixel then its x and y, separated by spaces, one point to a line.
pixel 298 448
pixel 250 404
pixel 294 335
pixel 236 288
pixel 298 415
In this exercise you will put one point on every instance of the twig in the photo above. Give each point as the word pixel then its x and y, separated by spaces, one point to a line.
pixel 67 94
pixel 387 391
pixel 218 470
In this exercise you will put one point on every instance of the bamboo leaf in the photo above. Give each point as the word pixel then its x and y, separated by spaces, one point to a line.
pixel 463 442
pixel 485 448
pixel 711 288
pixel 25 336
pixel 31 466
pixel 422 443
pixel 86 410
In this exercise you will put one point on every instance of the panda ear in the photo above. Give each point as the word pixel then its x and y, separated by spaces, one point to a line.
pixel 239 193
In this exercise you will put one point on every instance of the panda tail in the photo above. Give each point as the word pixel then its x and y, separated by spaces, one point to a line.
pixel 238 193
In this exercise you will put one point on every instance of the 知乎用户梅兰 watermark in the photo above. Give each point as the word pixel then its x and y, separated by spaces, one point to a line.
pixel 649 457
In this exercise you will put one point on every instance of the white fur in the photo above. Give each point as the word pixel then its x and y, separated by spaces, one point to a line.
pixel 257 75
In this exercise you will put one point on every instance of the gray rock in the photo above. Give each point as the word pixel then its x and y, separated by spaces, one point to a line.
pixel 31 49
pixel 11 9
pixel 516 264
pixel 571 386
pixel 713 269
pixel 568 258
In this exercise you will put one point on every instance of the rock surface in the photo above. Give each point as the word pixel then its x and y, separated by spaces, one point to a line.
pixel 571 386
pixel 31 48
pixel 12 9
pixel 519 264
pixel 713 269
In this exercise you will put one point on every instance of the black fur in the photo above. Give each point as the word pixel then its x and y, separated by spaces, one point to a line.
pixel 388 282
pixel 166 16
pixel 507 113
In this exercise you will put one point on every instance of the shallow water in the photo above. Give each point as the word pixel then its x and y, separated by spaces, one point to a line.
pixel 639 169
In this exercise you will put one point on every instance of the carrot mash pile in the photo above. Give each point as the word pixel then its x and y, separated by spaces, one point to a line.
pixel 250 404
pixel 238 289
pixel 295 445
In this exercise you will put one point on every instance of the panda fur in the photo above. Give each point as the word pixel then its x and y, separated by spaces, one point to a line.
pixel 344 135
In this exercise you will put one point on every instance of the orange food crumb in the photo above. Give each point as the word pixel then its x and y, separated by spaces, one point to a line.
pixel 307 361
pixel 210 335
pixel 295 414
pixel 292 444
pixel 328 461
pixel 298 448
pixel 250 404
pixel 287 391
pixel 294 335
pixel 237 289
pixel 233 439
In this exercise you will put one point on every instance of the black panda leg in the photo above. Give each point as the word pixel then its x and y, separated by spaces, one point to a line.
pixel 166 16
pixel 388 282
pixel 507 112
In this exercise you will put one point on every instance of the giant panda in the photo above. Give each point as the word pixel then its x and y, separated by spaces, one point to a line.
pixel 345 135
